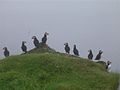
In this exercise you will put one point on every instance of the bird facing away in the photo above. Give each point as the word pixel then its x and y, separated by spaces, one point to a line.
pixel 67 48
pixel 35 41
pixel 98 57
pixel 75 51
pixel 6 52
pixel 90 55
pixel 44 39
pixel 24 47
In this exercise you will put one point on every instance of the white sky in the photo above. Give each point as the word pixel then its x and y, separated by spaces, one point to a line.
pixel 90 24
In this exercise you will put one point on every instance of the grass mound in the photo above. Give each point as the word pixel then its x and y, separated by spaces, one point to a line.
pixel 53 71
pixel 42 49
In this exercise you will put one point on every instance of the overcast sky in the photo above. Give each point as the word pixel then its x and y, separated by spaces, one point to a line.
pixel 90 24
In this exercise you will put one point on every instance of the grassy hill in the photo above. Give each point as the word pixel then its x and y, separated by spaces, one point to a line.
pixel 53 71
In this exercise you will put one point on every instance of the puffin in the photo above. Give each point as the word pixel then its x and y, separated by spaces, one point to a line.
pixel 75 51
pixel 6 52
pixel 24 47
pixel 67 48
pixel 44 39
pixel 98 57
pixel 108 66
pixel 35 41
pixel 90 55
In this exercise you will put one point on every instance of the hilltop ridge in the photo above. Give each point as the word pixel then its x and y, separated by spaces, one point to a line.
pixel 45 69
pixel 42 49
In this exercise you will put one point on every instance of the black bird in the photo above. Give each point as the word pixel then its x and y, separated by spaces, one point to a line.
pixel 36 41
pixel 98 57
pixel 67 48
pixel 90 55
pixel 75 51
pixel 44 39
pixel 6 52
pixel 24 47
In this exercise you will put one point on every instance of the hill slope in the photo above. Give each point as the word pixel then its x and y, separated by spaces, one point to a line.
pixel 53 71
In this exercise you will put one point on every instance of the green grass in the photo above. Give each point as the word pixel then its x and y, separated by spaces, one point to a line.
pixel 48 71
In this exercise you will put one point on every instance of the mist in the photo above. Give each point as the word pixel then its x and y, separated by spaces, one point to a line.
pixel 90 24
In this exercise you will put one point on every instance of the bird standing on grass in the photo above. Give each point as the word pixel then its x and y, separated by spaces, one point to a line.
pixel 90 55
pixel 67 48
pixel 44 39
pixel 35 41
pixel 108 66
pixel 24 47
pixel 98 57
pixel 75 51
pixel 6 52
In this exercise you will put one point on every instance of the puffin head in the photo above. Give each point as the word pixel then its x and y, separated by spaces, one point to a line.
pixel 66 44
pixel 24 42
pixel 46 33
pixel 4 48
pixel 74 46
pixel 90 50
pixel 33 37
pixel 100 51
